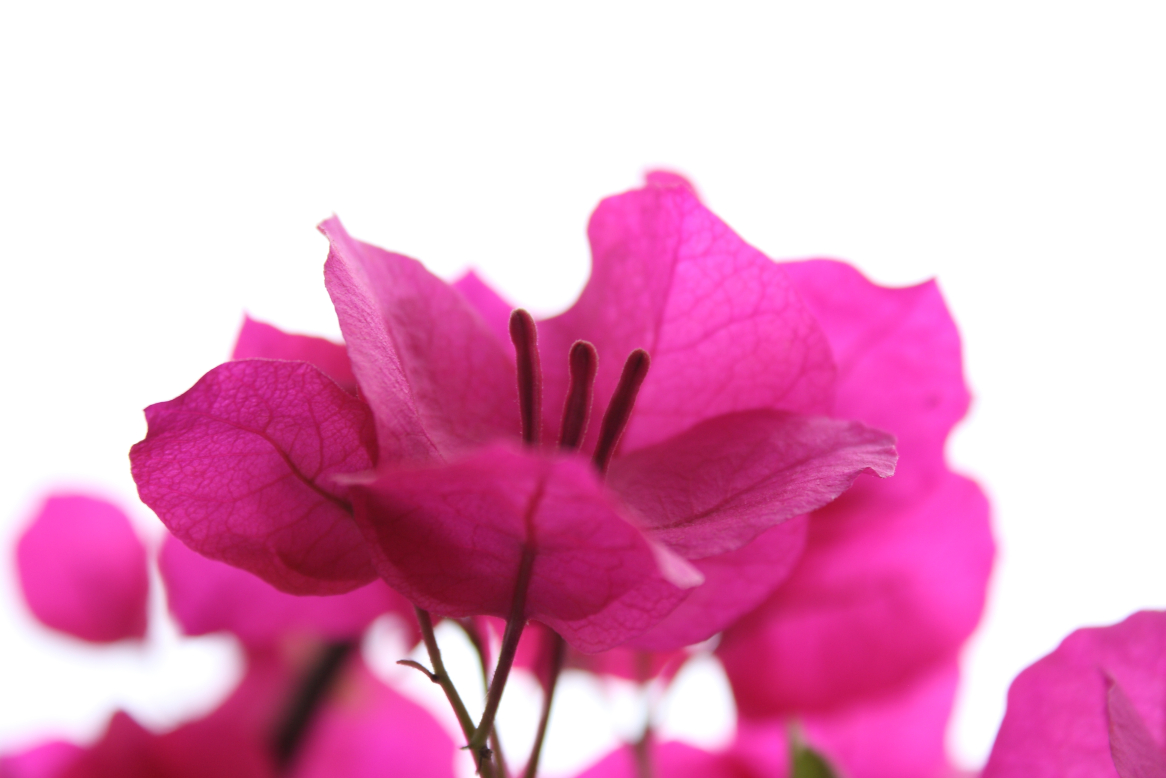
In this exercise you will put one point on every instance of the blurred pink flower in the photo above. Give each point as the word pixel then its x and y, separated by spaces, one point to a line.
pixel 894 574
pixel 1096 706
pixel 307 706
pixel 261 463
pixel 83 569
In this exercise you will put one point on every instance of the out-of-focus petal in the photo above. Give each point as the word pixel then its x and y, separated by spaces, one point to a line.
pixel 715 487
pixel 242 468
pixel 205 748
pixel 724 327
pixel 734 584
pixel 899 361
pixel 1060 712
pixel 886 586
pixel 207 596
pixel 83 569
pixel 370 731
pixel 451 539
pixel 436 377
pixel 899 734
pixel 45 761
pixel 258 340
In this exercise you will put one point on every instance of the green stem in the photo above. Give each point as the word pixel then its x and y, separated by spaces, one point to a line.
pixel 479 644
pixel 514 626
pixel 440 676
pixel 642 750
pixel 309 694
pixel 558 652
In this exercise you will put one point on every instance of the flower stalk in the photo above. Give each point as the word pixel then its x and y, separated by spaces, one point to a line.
pixel 558 653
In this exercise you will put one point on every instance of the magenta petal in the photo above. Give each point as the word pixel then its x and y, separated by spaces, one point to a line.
pixel 723 324
pixel 899 734
pixel 734 584
pixel 50 760
pixel 262 341
pixel 207 596
pixel 1063 719
pixel 1134 751
pixel 885 587
pixel 451 539
pixel 83 570
pixel 212 746
pixel 899 360
pixel 436 377
pixel 490 306
pixel 715 487
pixel 242 468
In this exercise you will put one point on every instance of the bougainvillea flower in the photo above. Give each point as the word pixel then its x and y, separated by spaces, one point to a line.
pixel 894 574
pixel 1095 706
pixel 260 464
pixel 83 569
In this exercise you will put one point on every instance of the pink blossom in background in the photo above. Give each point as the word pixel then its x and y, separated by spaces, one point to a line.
pixel 354 727
pixel 894 574
pixel 1096 706
pixel 260 464
pixel 364 728
pixel 83 569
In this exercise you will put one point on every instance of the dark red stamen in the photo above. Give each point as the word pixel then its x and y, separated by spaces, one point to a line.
pixel 619 410
pixel 530 378
pixel 577 410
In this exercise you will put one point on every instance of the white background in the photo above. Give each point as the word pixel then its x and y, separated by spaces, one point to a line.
pixel 162 168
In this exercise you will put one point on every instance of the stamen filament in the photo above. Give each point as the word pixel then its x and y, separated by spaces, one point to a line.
pixel 577 409
pixel 619 410
pixel 530 390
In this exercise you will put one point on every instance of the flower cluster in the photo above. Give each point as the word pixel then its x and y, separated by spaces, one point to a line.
pixel 707 444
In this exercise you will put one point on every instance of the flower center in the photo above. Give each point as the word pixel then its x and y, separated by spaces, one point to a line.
pixel 582 362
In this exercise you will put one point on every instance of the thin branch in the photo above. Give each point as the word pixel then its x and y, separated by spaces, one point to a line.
pixel 440 676
pixel 558 652
pixel 305 702
pixel 514 626
pixel 478 642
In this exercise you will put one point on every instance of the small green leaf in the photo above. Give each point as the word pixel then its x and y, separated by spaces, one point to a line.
pixel 808 763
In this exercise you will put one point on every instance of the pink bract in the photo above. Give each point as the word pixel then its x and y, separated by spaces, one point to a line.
pixel 83 569
pixel 894 574
pixel 258 340
pixel 1096 706
pixel 243 468
pixel 740 376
